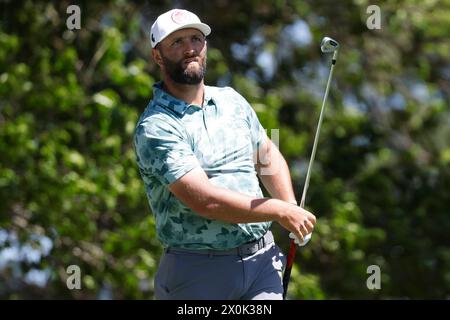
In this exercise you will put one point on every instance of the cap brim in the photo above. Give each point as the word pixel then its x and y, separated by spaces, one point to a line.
pixel 204 28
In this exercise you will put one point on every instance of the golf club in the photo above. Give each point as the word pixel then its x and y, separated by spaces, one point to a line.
pixel 328 45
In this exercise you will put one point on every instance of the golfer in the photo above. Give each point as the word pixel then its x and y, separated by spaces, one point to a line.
pixel 200 150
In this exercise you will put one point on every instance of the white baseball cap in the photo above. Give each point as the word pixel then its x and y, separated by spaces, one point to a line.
pixel 174 20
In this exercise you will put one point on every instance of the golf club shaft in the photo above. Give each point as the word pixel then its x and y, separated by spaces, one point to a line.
pixel 293 246
pixel 316 138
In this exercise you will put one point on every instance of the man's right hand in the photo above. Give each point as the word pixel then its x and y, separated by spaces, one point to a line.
pixel 297 220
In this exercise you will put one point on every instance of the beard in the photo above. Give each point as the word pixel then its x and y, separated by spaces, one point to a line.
pixel 186 75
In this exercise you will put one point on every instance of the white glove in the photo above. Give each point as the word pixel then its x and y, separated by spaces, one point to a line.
pixel 298 241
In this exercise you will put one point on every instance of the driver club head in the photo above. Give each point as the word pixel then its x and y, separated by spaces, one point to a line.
pixel 329 45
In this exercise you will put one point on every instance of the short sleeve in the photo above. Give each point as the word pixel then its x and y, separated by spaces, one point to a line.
pixel 162 151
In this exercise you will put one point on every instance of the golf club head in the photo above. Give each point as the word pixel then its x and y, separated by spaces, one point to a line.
pixel 329 45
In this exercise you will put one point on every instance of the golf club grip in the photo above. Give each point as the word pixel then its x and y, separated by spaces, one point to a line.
pixel 287 271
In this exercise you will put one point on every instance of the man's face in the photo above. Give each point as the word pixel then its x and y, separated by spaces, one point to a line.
pixel 182 56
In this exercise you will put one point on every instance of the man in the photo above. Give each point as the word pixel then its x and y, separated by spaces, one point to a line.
pixel 195 147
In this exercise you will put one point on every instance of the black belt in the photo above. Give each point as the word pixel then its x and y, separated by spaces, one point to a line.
pixel 244 250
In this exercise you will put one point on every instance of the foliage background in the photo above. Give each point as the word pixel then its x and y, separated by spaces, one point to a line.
pixel 70 192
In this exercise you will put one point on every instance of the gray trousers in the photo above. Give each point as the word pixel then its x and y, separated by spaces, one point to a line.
pixel 235 276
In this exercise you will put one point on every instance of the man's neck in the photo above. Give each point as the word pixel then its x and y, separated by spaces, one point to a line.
pixel 191 94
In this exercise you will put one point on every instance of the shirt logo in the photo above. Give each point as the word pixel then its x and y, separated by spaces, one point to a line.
pixel 180 17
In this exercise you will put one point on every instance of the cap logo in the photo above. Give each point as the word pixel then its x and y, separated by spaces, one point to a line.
pixel 180 17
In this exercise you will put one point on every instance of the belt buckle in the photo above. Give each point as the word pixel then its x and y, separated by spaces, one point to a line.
pixel 245 250
pixel 251 248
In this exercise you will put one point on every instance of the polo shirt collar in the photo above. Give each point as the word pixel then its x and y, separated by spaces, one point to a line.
pixel 166 100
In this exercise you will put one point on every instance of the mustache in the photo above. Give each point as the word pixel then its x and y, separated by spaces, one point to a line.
pixel 195 58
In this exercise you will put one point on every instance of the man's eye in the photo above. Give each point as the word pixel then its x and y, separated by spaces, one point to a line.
pixel 197 38
pixel 177 42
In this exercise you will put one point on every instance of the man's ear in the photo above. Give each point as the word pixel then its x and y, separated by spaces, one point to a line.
pixel 157 57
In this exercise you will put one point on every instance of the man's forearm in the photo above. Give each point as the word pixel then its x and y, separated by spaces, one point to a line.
pixel 234 207
pixel 196 191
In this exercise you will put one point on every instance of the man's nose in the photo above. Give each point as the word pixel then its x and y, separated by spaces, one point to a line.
pixel 189 48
